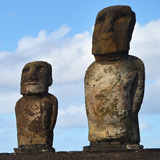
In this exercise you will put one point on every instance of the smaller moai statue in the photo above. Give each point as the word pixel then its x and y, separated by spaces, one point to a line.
pixel 36 111
pixel 114 83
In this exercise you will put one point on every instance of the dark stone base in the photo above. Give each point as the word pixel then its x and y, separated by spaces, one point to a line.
pixel 144 154
pixel 111 146
pixel 39 148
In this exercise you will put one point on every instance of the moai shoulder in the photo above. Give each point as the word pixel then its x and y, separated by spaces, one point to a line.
pixel 114 83
pixel 36 111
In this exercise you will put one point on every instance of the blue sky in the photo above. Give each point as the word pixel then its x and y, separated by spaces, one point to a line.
pixel 60 32
pixel 19 18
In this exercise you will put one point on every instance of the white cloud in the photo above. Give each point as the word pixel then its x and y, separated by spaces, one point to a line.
pixel 8 101
pixel 72 117
pixel 144 126
pixel 70 57
pixel 151 104
pixel 1 130
pixel 28 42
pixel 146 45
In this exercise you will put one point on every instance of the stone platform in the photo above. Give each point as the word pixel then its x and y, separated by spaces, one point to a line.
pixel 111 146
pixel 145 154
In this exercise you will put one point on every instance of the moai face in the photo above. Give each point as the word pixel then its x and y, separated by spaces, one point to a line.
pixel 36 78
pixel 113 30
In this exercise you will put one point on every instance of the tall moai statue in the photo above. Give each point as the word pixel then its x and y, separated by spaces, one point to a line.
pixel 114 83
pixel 36 111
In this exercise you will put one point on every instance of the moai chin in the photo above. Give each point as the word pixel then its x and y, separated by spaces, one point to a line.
pixel 36 111
pixel 114 83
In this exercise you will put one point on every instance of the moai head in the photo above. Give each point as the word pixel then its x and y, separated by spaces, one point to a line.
pixel 113 31
pixel 36 78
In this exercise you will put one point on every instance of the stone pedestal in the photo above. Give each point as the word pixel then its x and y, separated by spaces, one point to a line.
pixel 110 146
pixel 34 149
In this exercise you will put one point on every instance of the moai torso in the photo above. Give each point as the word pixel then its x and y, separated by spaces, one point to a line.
pixel 113 94
pixel 114 83
pixel 36 111
pixel 36 118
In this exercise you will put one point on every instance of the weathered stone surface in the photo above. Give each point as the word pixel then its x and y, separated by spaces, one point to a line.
pixel 113 30
pixel 114 83
pixel 36 111
pixel 113 96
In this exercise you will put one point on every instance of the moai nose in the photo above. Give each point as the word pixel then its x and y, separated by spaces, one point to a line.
pixel 32 74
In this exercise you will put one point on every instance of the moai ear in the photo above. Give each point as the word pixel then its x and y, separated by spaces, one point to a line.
pixel 50 81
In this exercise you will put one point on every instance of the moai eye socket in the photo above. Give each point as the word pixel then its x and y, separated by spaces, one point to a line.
pixel 41 69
